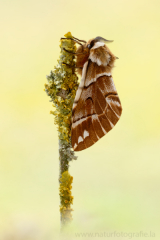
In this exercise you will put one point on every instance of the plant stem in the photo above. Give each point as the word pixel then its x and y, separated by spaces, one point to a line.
pixel 62 86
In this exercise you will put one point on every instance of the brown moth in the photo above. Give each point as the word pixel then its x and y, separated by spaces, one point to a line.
pixel 97 107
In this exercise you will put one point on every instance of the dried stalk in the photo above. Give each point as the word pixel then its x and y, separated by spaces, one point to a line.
pixel 61 88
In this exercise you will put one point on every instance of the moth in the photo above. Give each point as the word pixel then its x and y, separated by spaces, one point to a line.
pixel 97 107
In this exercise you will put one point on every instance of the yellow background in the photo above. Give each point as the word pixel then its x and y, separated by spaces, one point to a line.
pixel 116 183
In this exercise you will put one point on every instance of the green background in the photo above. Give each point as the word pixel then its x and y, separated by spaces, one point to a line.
pixel 116 183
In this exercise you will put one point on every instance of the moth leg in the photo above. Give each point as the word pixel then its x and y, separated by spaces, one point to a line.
pixel 73 40
pixel 71 66
pixel 79 40
pixel 79 67
pixel 72 52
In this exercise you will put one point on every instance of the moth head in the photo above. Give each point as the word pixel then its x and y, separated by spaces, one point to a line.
pixel 85 48
pixel 92 42
pixel 92 50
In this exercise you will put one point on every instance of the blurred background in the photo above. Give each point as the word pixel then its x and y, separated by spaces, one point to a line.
pixel 116 183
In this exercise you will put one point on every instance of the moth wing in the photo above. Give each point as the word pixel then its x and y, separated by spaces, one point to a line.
pixel 97 107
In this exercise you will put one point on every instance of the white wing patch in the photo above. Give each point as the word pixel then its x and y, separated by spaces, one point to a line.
pixel 75 145
pixel 80 139
pixel 85 134
pixel 118 104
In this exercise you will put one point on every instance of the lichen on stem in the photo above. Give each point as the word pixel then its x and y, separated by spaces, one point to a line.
pixel 61 88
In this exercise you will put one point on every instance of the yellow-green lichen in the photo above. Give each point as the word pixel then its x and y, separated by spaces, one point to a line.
pixel 62 86
pixel 66 197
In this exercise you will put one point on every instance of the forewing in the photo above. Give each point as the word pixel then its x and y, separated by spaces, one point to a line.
pixel 97 109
